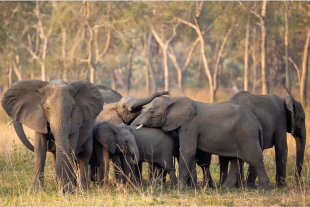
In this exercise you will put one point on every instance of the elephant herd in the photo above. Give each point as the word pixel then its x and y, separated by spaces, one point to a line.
pixel 84 126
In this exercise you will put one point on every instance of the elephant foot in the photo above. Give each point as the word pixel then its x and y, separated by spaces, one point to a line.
pixel 282 184
pixel 35 186
pixel 264 187
pixel 251 185
pixel 69 188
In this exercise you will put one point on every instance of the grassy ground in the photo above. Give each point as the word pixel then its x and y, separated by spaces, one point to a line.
pixel 16 172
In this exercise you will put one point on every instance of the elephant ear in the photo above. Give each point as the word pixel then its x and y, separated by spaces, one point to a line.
pixel 179 112
pixel 105 134
pixel 88 99
pixel 290 114
pixel 22 102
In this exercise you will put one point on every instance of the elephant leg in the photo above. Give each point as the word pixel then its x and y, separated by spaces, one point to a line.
pixel 251 177
pixel 71 158
pixel 187 164
pixel 281 158
pixel 165 176
pixel 232 177
pixel 40 149
pixel 224 161
pixel 255 157
pixel 103 160
pixel 83 158
pixel 54 160
pixel 150 173
pixel 171 171
pixel 92 174
pixel 240 180
pixel 118 161
pixel 138 172
pixel 204 161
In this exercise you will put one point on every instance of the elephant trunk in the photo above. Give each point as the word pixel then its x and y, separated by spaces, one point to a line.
pixel 135 152
pixel 300 151
pixel 61 132
pixel 22 136
pixel 139 103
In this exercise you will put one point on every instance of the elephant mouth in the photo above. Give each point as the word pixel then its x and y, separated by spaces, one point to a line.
pixel 145 125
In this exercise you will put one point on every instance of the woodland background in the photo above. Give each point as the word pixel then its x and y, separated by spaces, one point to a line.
pixel 204 50
pixel 261 47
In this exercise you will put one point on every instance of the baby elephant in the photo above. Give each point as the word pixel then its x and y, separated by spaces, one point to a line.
pixel 120 144
pixel 155 147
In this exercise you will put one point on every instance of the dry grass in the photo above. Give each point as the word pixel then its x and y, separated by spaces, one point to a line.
pixel 16 172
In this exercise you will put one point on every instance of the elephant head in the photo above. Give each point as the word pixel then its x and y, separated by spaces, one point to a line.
pixel 126 110
pixel 296 126
pixel 167 113
pixel 130 107
pixel 53 107
pixel 115 138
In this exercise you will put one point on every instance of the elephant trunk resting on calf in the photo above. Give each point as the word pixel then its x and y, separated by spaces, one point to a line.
pixel 209 128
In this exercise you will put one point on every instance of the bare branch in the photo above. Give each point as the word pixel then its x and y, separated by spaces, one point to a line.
pixel 295 66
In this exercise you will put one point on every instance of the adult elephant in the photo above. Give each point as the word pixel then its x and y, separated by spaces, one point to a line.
pixel 61 114
pixel 116 141
pixel 224 128
pixel 277 117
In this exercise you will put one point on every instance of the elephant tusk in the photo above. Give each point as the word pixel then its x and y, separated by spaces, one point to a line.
pixel 140 126
pixel 10 123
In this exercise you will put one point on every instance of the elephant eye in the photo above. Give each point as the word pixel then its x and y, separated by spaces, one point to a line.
pixel 123 106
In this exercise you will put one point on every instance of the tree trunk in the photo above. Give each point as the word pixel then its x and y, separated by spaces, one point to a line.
pixel 166 69
pixel 254 59
pixel 180 81
pixel 64 53
pixel 152 73
pixel 304 73
pixel 147 78
pixel 246 64
pixel 10 74
pixel 113 81
pixel 265 85
pixel 128 67
pixel 287 74
pixel 92 75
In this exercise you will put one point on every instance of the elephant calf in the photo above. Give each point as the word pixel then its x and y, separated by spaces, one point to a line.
pixel 155 147
pixel 121 146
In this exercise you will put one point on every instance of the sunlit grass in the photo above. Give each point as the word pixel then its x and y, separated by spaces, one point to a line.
pixel 16 173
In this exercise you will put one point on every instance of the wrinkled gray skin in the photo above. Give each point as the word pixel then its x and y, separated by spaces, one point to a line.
pixel 61 113
pixel 209 128
pixel 124 111
pixel 155 147
pixel 117 141
pixel 277 116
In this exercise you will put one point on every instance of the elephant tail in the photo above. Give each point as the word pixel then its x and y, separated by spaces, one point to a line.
pixel 22 136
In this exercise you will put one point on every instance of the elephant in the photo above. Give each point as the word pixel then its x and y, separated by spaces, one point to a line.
pixel 62 116
pixel 224 128
pixel 277 117
pixel 109 95
pixel 123 111
pixel 126 109
pixel 115 140
pixel 156 148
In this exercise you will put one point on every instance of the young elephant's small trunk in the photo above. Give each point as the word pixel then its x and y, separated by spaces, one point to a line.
pixel 143 101
pixel 133 148
pixel 22 136
pixel 300 151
